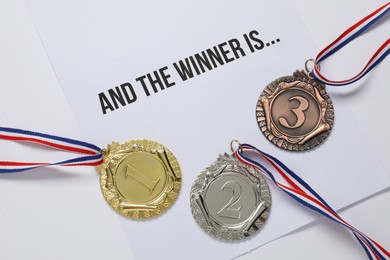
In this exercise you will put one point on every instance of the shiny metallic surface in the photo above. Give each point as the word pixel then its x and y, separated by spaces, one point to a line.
pixel 230 200
pixel 139 178
pixel 295 112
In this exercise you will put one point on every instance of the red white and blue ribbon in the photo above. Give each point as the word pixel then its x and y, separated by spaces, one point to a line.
pixel 346 37
pixel 298 189
pixel 92 155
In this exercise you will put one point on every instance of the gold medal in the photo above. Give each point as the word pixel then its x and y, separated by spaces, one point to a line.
pixel 140 178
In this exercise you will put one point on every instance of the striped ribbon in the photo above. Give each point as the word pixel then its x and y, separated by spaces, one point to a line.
pixel 298 189
pixel 92 155
pixel 346 37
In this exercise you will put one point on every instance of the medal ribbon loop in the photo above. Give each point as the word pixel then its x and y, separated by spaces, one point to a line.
pixel 92 154
pixel 346 37
pixel 299 190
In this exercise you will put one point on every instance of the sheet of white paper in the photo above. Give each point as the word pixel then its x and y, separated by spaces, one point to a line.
pixel 96 46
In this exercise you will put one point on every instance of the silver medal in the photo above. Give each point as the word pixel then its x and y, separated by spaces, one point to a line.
pixel 230 200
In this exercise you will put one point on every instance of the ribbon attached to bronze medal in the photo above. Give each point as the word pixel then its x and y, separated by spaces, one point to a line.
pixel 295 112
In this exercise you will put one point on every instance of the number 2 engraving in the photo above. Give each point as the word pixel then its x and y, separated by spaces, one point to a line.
pixel 303 105
pixel 228 211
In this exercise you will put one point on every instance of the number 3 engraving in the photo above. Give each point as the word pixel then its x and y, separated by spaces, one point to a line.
pixel 228 211
pixel 303 105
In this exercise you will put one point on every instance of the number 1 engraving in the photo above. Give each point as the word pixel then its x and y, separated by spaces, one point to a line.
pixel 303 105
pixel 142 178
pixel 228 211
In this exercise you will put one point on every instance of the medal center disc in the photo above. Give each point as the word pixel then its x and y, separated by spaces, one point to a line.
pixel 230 199
pixel 295 112
pixel 141 177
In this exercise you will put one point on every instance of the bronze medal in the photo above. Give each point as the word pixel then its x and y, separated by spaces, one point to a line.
pixel 139 178
pixel 295 112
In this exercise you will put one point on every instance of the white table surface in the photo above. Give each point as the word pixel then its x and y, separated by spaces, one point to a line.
pixel 29 232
